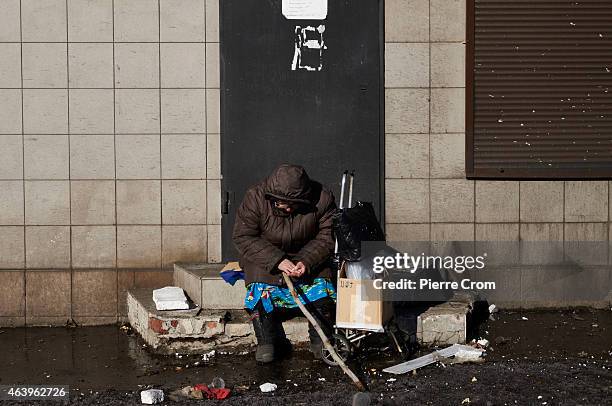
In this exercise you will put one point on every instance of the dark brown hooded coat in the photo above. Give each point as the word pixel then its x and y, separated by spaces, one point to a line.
pixel 264 235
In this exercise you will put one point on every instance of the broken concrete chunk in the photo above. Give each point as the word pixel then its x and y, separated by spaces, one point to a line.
pixel 267 387
pixel 151 396
pixel 465 355
pixel 483 342
pixel 170 298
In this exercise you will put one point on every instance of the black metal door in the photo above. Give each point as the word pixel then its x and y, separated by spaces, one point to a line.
pixel 301 91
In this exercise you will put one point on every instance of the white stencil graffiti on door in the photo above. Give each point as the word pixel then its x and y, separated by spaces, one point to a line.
pixel 309 47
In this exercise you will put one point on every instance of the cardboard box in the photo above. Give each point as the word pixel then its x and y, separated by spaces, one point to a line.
pixel 353 312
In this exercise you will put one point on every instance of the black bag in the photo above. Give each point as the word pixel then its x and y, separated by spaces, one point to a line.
pixel 354 225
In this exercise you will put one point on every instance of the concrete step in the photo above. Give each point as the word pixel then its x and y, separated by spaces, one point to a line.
pixel 205 287
pixel 197 330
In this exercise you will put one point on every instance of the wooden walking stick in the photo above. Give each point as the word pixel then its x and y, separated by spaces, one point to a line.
pixel 319 330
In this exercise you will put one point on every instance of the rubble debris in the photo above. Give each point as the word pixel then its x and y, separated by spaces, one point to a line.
pixel 180 394
pixel 524 318
pixel 151 396
pixel 468 355
pixel 267 387
pixel 208 356
pixel 217 383
pixel 170 298
pixel 127 329
pixel 211 393
pixel 493 309
pixel 483 342
pixel 199 391
pixel 70 323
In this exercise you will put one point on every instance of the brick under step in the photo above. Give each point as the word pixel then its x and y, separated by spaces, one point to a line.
pixel 197 330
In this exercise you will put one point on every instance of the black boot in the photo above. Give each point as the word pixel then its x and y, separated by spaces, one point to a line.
pixel 268 331
pixel 282 345
pixel 323 311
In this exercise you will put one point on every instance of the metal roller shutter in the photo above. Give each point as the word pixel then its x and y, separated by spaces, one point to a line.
pixel 539 89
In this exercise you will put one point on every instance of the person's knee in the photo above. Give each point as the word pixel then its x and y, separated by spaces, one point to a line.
pixel 325 305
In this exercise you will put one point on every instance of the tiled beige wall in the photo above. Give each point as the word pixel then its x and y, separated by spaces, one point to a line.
pixel 427 195
pixel 109 149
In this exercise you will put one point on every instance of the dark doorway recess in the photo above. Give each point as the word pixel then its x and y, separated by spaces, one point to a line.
pixel 326 120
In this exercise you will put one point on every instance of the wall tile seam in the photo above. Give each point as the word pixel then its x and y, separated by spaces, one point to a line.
pixel 206 124
pixel 89 269
pixel 102 224
pixel 408 88
pixel 116 88
pixel 415 133
pixel 109 42
pixel 115 150
pixel 70 253
pixel 85 269
pixel 429 178
pixel 422 87
pixel 159 100
pixel 429 125
pixel 430 132
pixel 25 257
pixel 427 42
pixel 119 133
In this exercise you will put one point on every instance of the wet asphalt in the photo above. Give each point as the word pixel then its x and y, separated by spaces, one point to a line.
pixel 536 357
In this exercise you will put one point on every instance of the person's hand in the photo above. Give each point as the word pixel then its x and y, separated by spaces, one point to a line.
pixel 300 268
pixel 291 269
pixel 286 266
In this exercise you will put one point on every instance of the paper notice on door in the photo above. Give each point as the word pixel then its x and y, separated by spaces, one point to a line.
pixel 305 9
